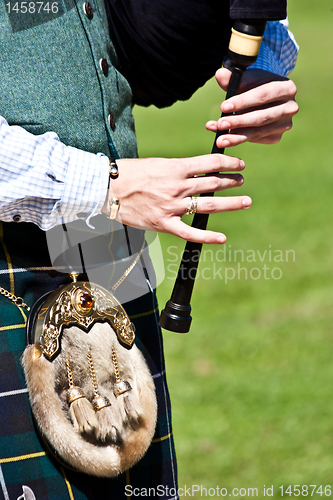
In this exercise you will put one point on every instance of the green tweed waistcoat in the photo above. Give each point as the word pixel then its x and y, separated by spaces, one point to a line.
pixel 57 67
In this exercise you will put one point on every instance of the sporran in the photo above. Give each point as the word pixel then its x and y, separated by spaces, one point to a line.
pixel 91 393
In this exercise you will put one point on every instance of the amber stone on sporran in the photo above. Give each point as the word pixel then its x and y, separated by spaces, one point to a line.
pixel 86 301
pixel 83 302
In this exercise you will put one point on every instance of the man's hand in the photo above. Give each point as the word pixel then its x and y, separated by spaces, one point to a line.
pixel 154 193
pixel 263 110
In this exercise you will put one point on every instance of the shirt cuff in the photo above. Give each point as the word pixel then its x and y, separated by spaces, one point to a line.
pixel 86 186
pixel 278 51
pixel 46 182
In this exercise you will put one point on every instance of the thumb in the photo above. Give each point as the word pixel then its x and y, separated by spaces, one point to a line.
pixel 222 76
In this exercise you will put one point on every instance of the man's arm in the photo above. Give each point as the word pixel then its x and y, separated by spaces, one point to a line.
pixel 47 183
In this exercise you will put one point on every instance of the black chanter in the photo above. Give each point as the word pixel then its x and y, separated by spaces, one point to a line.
pixel 243 51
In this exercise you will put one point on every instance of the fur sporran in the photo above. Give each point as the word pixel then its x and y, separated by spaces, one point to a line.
pixel 91 393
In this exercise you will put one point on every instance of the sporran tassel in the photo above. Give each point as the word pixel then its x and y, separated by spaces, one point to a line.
pixel 129 405
pixel 107 419
pixel 81 412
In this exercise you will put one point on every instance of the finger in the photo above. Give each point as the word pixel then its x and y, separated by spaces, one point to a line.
pixel 261 135
pixel 222 76
pixel 255 118
pixel 264 94
pixel 211 126
pixel 213 183
pixel 271 139
pixel 211 163
pixel 260 117
pixel 213 205
pixel 188 233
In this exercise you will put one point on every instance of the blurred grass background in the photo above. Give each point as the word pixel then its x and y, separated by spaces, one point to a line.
pixel 251 384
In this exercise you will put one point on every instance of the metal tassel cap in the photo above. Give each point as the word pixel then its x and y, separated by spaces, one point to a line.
pixel 100 402
pixel 73 394
pixel 120 387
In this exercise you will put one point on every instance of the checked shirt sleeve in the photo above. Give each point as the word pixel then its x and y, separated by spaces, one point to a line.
pixel 47 183
pixel 278 50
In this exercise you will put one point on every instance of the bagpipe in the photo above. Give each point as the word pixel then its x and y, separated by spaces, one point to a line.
pixel 243 50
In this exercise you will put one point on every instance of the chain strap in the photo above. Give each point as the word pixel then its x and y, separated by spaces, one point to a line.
pixel 131 267
pixel 115 364
pixel 19 302
pixel 93 374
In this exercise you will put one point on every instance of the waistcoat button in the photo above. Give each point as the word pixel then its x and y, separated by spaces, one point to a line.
pixel 88 10
pixel 112 121
pixel 16 218
pixel 104 66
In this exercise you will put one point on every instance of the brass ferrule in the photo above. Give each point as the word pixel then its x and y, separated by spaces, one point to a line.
pixel 243 44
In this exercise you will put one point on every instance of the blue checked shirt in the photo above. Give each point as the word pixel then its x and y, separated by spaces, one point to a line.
pixel 47 183
pixel 278 50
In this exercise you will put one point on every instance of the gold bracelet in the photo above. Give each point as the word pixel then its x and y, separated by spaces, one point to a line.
pixel 114 207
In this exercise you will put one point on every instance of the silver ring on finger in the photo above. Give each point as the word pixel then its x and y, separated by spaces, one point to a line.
pixel 192 208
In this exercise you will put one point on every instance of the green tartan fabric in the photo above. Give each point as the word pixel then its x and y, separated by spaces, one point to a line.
pixel 23 459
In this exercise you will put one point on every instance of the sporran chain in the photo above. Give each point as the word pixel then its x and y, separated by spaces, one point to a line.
pixel 19 302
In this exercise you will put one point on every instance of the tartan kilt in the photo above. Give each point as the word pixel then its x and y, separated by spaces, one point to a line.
pixel 25 271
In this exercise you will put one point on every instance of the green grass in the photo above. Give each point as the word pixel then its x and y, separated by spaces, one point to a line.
pixel 251 384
